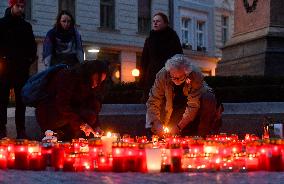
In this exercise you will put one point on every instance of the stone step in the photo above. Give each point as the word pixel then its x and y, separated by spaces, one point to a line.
pixel 239 118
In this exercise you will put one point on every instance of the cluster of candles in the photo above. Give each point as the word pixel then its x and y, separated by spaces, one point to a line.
pixel 171 154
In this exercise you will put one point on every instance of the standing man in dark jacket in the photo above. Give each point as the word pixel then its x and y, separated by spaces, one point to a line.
pixel 17 53
pixel 162 43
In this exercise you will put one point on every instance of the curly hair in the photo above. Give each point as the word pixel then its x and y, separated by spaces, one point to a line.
pixel 180 62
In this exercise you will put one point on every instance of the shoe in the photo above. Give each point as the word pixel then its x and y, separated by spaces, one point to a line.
pixel 3 133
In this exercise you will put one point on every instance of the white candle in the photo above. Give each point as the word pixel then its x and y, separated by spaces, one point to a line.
pixel 153 159
pixel 107 142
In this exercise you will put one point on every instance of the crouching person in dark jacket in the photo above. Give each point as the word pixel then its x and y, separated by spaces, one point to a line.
pixel 75 100
pixel 181 100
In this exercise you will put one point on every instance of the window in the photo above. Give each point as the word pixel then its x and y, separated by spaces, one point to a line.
pixel 186 32
pixel 225 26
pixel 28 10
pixel 200 31
pixel 144 16
pixel 68 5
pixel 107 18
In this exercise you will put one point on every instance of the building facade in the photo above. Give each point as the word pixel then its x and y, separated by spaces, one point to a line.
pixel 115 30
pixel 204 26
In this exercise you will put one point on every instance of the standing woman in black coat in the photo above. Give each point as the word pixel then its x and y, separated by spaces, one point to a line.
pixel 17 53
pixel 162 43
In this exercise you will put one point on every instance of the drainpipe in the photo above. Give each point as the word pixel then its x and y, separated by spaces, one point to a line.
pixel 171 13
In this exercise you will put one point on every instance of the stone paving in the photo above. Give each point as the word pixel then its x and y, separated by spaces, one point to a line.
pixel 51 177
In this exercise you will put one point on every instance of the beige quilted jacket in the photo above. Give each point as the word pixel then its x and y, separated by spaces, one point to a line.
pixel 161 97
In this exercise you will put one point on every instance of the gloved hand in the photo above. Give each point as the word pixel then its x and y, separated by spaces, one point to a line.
pixel 157 128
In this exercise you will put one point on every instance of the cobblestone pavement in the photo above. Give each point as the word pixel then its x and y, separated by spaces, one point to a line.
pixel 50 177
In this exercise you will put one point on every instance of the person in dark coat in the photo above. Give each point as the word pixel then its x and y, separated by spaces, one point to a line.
pixel 17 53
pixel 63 43
pixel 75 100
pixel 162 43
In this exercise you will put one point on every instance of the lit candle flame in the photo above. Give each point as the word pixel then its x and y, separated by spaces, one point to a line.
pixel 166 130
pixel 108 134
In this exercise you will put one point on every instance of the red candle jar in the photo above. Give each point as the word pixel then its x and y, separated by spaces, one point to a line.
pixel 21 154
pixel 210 148
pixel 237 147
pixel 196 147
pixel 251 137
pixel 126 138
pixel 36 160
pixel 166 159
pixel 104 163
pixel 239 161
pixel 95 149
pixel 46 151
pixel 142 139
pixel 3 155
pixel 75 146
pixel 141 165
pixel 282 153
pixel 263 152
pixel 131 157
pixel 57 156
pixel 69 161
pixel 252 162
pixel 119 157
pixel 79 146
pixel 82 162
pixel 185 143
pixel 275 155
pixel 176 154
pixel 10 152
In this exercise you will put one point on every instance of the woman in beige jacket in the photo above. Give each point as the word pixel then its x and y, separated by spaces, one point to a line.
pixel 181 100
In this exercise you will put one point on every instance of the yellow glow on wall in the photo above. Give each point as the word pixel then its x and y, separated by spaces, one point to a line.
pixel 117 74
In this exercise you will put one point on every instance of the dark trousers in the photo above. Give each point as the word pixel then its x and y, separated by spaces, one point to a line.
pixel 206 121
pixel 7 83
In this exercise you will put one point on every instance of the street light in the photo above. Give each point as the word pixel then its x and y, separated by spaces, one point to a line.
pixel 135 72
pixel 93 50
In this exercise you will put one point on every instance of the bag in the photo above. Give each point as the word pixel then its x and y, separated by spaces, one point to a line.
pixel 34 91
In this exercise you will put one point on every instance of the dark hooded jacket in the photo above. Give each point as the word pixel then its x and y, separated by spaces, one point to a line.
pixel 72 102
pixel 17 43
pixel 158 48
